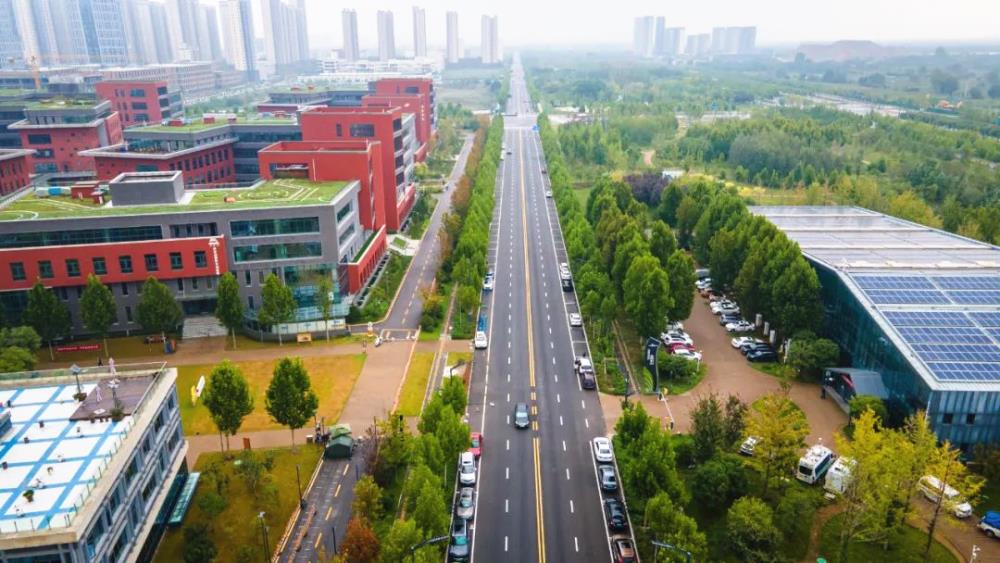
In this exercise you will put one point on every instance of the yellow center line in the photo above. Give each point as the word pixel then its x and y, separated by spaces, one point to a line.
pixel 318 537
pixel 536 461
pixel 337 492
pixel 329 511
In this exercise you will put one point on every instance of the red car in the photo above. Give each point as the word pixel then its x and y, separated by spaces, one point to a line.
pixel 680 346
pixel 476 447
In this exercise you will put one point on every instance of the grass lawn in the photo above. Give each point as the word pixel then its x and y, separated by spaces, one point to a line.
pixel 247 343
pixel 399 243
pixel 236 531
pixel 774 369
pixel 121 349
pixel 411 398
pixel 455 357
pixel 332 378
pixel 431 335
pixel 906 547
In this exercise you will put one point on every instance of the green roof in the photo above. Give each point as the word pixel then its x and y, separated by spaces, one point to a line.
pixel 194 126
pixel 60 103
pixel 273 193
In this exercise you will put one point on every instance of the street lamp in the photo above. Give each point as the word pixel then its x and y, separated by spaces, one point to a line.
pixel 76 370
pixel 263 530
pixel 417 546
pixel 298 484
pixel 659 544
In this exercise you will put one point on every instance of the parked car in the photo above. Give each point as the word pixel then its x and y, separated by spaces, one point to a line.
pixel 602 450
pixel 755 345
pixel 932 489
pixel 688 354
pixel 488 282
pixel 749 445
pixel 718 306
pixel 465 506
pixel 480 341
pixel 762 356
pixel 703 283
pixel 727 318
pixel 548 193
pixel 585 371
pixel 728 310
pixel 467 469
pixel 521 418
pixel 458 549
pixel 741 326
pixel 608 479
pixel 675 326
pixel 676 337
pixel 575 319
pixel 623 550
pixel 741 340
pixel 990 524
pixel 476 444
pixel 679 346
pixel 614 512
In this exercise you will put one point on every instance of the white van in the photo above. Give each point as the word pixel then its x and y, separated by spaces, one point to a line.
pixel 931 487
pixel 838 478
pixel 814 464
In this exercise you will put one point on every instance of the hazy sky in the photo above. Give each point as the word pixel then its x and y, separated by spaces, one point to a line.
pixel 548 22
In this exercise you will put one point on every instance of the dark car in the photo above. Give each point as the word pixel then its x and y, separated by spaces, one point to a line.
pixel 606 475
pixel 624 551
pixel 614 512
pixel 458 550
pixel 762 356
pixel 755 347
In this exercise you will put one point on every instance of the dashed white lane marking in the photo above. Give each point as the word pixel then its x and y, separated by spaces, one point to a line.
pixel 571 509
pixel 576 544
pixel 505 543
pixel 552 345
pixel 553 361
pixel 560 423
pixel 507 473
pixel 506 505
pixel 556 377
pixel 567 474
pixel 583 404
pixel 508 378
pixel 508 444
pixel 557 398
pixel 586 423
pixel 508 397
pixel 508 360
pixel 550 330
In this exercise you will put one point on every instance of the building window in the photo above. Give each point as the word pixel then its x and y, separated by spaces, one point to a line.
pixel 139 105
pixel 340 131
pixel 39 139
pixel 200 260
pixel 17 271
pixel 176 261
pixel 100 267
pixel 45 269
pixel 947 418
pixel 344 236
pixel 180 284
pixel 246 278
pixel 125 264
pixel 284 251
pixel 194 283
pixel 250 302
pixel 363 130
pixel 137 93
pixel 128 313
pixel 152 264
pixel 124 288
pixel 73 267
pixel 344 211
pixel 970 418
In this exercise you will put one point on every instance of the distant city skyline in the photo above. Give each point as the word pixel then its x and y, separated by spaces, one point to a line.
pixel 779 22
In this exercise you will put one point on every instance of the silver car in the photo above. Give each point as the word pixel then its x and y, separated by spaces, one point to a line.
pixel 465 506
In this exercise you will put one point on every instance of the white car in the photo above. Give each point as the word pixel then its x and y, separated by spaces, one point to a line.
pixel 741 326
pixel 704 283
pixel 718 306
pixel 749 445
pixel 676 337
pixel 488 283
pixel 931 488
pixel 741 340
pixel 548 193
pixel 467 469
pixel 602 450
pixel 480 341
pixel 575 319
pixel 687 354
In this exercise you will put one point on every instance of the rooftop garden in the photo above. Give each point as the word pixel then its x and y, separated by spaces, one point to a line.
pixel 196 125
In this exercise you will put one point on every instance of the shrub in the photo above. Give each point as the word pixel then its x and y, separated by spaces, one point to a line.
pixel 720 481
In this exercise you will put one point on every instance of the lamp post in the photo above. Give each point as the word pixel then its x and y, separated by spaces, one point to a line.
pixel 417 546
pixel 659 544
pixel 298 484
pixel 76 370
pixel 263 531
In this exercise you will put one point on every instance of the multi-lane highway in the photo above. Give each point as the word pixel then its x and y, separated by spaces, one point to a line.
pixel 538 495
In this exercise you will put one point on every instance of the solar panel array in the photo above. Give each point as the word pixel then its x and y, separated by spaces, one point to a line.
pixel 957 346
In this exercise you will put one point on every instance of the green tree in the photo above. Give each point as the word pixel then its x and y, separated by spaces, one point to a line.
pixel 707 427
pixel 228 399
pixel 734 424
pixel 908 205
pixel 810 355
pixel 724 259
pixel 15 358
pixel 290 399
pixel 666 522
pixel 861 403
pixel 277 304
pixel 198 544
pixel 781 429
pixel 649 466
pixel 796 296
pixel 401 537
pixel 946 464
pixel 431 513
pixel 750 528
pixel 453 435
pixel 20 336
pixel 97 307
pixel 453 394
pixel 253 471
pixel 45 313
pixel 662 243
pixel 647 295
pixel 229 304
pixel 367 501
pixel 719 481
pixel 680 272
pixel 158 310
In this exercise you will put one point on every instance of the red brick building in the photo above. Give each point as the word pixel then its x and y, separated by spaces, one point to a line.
pixel 141 101
pixel 14 170
pixel 205 165
pixel 409 103
pixel 396 135
pixel 57 130
pixel 424 87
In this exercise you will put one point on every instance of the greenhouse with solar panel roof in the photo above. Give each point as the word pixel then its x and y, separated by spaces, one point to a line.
pixel 917 306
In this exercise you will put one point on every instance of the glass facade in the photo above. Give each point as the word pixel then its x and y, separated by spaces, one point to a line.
pixel 284 251
pixel 267 227
pixel 83 236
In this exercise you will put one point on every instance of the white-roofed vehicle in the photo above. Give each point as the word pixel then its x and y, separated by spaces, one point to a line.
pixel 838 478
pixel 932 488
pixel 814 464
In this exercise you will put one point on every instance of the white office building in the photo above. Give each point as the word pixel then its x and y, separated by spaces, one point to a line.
pixel 386 36
pixel 419 32
pixel 237 29
pixel 489 50
pixel 349 22
pixel 454 48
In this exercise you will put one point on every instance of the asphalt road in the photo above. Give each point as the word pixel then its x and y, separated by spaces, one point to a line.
pixel 328 508
pixel 405 313
pixel 538 497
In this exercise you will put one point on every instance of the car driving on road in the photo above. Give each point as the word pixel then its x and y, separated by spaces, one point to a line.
pixel 481 341
pixel 602 450
pixel 521 418
pixel 476 444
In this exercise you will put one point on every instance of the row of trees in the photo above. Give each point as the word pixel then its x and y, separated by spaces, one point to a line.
pixel 418 473
pixel 468 225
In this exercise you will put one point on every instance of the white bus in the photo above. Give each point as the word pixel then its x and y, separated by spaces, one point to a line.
pixel 814 464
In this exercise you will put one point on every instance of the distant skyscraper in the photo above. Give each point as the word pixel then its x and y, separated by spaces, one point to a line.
pixel 103 30
pixel 208 34
pixel 453 48
pixel 489 46
pixel 644 36
pixel 182 18
pixel 237 31
pixel 673 41
pixel 285 40
pixel 659 35
pixel 698 45
pixel 718 39
pixel 419 33
pixel 386 36
pixel 747 42
pixel 349 21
